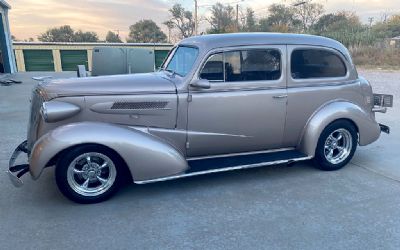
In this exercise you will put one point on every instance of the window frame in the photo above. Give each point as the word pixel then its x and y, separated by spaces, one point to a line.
pixel 168 59
pixel 280 48
pixel 312 81
pixel 205 62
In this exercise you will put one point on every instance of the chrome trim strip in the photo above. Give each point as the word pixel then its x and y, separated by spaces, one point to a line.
pixel 232 89
pixel 224 170
pixel 190 132
pixel 118 94
pixel 329 84
pixel 237 154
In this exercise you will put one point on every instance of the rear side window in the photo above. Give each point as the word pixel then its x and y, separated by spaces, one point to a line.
pixel 243 65
pixel 316 63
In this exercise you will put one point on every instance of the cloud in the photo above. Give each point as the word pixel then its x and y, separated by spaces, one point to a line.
pixel 30 18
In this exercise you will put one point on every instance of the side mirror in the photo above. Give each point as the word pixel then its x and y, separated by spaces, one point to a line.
pixel 201 83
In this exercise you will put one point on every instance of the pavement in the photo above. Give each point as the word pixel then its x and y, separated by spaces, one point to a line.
pixel 278 207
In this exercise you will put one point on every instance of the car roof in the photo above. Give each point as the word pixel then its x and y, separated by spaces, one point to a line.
pixel 209 42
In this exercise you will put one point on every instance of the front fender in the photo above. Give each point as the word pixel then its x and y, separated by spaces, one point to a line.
pixel 147 156
pixel 367 127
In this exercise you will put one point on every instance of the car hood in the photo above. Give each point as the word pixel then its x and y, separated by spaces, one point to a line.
pixel 107 85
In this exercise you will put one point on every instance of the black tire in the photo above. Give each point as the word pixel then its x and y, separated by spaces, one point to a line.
pixel 322 154
pixel 66 183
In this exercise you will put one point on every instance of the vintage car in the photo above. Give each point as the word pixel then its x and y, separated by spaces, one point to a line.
pixel 218 103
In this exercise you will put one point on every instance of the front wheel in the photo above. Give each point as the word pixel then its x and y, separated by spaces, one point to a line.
pixel 336 145
pixel 88 174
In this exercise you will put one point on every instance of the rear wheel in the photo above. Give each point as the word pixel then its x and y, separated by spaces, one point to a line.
pixel 336 145
pixel 88 174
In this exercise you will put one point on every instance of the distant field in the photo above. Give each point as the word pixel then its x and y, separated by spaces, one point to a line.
pixel 372 57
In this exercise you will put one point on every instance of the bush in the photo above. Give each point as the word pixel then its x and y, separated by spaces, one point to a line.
pixel 376 57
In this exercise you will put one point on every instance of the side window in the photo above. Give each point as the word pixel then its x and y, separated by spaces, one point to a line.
pixel 213 70
pixel 244 65
pixel 316 63
pixel 261 65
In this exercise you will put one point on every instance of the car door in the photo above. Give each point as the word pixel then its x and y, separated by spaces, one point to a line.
pixel 245 107
pixel 316 76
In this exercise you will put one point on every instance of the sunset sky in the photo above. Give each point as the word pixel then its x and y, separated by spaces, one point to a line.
pixel 30 18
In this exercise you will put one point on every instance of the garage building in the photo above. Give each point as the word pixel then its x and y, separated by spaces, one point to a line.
pixel 7 59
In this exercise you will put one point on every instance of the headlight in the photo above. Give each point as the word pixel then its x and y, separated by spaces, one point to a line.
pixel 54 111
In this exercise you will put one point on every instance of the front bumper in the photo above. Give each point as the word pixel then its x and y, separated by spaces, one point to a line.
pixel 15 172
pixel 384 128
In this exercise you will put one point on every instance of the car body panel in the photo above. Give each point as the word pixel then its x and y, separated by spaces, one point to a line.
pixel 229 127
pixel 109 85
pixel 366 125
pixel 146 156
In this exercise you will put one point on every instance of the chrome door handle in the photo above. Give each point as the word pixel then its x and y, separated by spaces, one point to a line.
pixel 279 96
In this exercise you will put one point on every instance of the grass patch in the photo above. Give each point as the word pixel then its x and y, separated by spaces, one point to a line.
pixel 373 58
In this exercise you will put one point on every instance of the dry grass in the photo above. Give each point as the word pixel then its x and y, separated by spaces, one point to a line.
pixel 372 57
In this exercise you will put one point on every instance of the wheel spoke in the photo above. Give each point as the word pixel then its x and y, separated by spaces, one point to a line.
pixel 341 149
pixel 339 137
pixel 104 165
pixel 77 171
pixel 86 183
pixel 102 180
pixel 330 154
pixel 88 160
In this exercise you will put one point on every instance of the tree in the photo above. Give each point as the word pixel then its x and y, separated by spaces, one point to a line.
pixel 336 22
pixel 112 37
pixel 170 25
pixel 308 13
pixel 62 34
pixel 394 25
pixel 345 27
pixel 146 31
pixel 67 34
pixel 280 19
pixel 182 20
pixel 250 24
pixel 222 19
pixel 87 36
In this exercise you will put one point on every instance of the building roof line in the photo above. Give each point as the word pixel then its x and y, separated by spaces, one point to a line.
pixel 91 43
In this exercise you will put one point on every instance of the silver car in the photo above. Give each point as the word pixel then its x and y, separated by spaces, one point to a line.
pixel 219 103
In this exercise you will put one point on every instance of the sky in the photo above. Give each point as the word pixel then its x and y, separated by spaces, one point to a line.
pixel 30 18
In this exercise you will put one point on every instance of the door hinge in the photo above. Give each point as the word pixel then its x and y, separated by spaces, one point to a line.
pixel 189 98
pixel 187 145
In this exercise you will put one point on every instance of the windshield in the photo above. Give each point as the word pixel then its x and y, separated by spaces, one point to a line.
pixel 181 60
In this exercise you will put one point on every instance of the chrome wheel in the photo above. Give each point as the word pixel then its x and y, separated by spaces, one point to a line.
pixel 338 146
pixel 91 174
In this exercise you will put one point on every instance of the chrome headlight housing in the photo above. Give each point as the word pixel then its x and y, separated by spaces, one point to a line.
pixel 54 111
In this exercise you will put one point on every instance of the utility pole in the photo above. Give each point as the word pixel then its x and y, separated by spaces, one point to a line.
pixel 370 20
pixel 195 18
pixel 237 17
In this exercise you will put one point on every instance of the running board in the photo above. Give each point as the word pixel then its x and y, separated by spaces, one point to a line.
pixel 228 163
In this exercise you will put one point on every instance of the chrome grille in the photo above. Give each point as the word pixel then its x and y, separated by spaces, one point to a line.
pixel 36 104
pixel 139 105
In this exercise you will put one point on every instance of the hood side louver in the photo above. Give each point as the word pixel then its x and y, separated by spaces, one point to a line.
pixel 139 105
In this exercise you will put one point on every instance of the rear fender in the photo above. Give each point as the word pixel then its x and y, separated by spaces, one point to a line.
pixel 368 128
pixel 146 156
